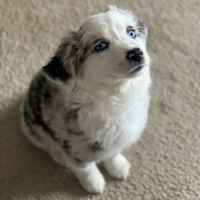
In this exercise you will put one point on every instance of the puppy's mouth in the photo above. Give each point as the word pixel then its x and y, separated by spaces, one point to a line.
pixel 136 69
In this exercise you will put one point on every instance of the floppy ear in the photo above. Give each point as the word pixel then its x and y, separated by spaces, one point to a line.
pixel 68 50
pixel 63 65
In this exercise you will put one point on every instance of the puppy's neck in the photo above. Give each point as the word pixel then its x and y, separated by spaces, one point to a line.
pixel 125 87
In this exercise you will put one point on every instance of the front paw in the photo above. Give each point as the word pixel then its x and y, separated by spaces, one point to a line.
pixel 117 167
pixel 93 182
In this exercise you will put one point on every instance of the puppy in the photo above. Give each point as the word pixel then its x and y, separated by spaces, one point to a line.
pixel 91 100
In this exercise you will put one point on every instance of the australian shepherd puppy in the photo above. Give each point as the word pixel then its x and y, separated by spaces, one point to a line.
pixel 91 100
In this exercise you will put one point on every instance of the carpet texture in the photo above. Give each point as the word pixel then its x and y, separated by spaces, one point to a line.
pixel 166 159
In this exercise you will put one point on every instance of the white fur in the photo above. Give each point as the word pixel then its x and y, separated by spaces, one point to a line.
pixel 90 178
pixel 117 166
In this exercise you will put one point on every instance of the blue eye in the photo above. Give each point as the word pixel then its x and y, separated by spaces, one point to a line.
pixel 101 46
pixel 132 34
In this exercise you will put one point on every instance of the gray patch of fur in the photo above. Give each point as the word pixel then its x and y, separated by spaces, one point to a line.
pixel 96 146
pixel 142 27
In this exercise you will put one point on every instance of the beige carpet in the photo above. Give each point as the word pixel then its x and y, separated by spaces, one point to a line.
pixel 165 161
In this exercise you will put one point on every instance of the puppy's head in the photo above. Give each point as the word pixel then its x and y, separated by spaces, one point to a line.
pixel 108 48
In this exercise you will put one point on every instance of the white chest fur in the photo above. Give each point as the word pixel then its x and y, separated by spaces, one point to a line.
pixel 117 120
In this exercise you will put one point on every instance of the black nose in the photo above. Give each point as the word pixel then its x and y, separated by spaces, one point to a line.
pixel 135 55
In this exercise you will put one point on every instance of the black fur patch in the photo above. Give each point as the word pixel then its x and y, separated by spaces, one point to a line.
pixel 35 102
pixel 66 146
pixel 96 146
pixel 56 70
